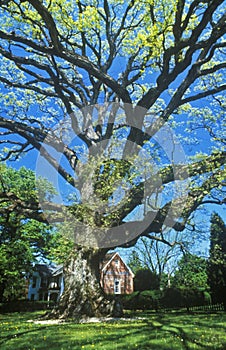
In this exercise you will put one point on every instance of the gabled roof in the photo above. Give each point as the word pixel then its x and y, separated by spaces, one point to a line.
pixel 108 259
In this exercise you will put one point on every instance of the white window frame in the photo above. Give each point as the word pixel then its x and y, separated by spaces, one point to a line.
pixel 117 286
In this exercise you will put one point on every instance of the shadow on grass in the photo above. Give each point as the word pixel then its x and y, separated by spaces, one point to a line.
pixel 3 339
pixel 185 328
pixel 157 331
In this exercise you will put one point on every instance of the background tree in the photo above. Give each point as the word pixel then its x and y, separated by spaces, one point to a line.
pixel 158 257
pixel 191 273
pixel 143 65
pixel 146 280
pixel 135 262
pixel 217 259
pixel 22 239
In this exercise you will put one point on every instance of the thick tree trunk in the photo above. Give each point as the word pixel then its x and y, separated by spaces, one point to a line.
pixel 83 295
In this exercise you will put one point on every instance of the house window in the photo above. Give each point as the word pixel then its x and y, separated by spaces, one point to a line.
pixel 32 297
pixel 117 263
pixel 34 281
pixel 117 287
pixel 44 282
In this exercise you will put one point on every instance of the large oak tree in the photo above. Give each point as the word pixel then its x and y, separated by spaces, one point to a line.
pixel 99 89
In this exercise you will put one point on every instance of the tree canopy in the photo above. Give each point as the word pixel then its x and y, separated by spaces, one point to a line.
pixel 23 240
pixel 125 101
pixel 157 58
pixel 191 273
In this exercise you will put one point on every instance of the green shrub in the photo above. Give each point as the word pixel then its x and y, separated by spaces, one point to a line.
pixel 146 280
pixel 207 298
pixel 169 298
pixel 185 297
pixel 172 298
pixel 25 306
pixel 145 300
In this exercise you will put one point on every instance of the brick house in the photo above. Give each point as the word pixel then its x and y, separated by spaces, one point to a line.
pixel 47 282
pixel 116 276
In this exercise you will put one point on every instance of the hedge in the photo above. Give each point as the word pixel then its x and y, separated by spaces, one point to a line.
pixel 25 306
pixel 169 298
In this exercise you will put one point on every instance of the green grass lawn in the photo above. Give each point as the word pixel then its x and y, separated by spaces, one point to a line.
pixel 158 331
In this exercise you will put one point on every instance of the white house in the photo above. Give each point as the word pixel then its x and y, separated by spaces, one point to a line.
pixel 46 283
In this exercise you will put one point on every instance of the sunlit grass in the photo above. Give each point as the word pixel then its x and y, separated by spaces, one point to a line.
pixel 157 331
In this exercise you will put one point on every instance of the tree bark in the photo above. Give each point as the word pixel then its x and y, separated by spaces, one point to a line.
pixel 83 295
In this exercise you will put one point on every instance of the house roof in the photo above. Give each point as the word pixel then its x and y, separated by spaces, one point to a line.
pixel 109 257
pixel 58 270
pixel 43 270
